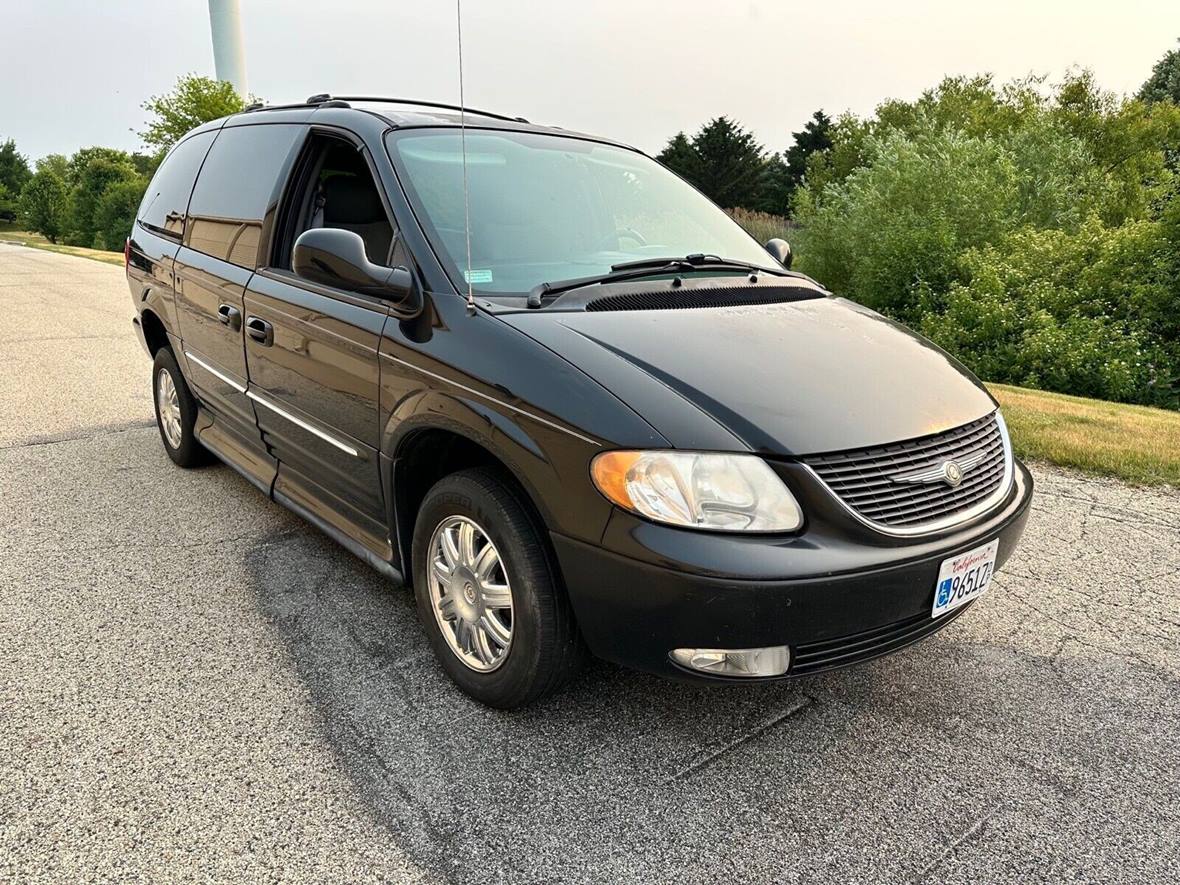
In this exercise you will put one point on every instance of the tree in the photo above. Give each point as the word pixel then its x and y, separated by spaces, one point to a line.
pixel 1164 82
pixel 193 101
pixel 146 164
pixel 680 156
pixel 8 204
pixel 44 197
pixel 14 168
pixel 76 165
pixel 93 171
pixel 14 172
pixel 725 161
pixel 115 213
pixel 815 137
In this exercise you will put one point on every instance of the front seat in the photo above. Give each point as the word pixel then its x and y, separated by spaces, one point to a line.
pixel 352 203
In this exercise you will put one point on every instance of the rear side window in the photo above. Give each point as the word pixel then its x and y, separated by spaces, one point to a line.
pixel 166 199
pixel 236 192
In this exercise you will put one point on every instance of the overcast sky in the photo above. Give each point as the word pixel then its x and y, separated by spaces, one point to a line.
pixel 77 71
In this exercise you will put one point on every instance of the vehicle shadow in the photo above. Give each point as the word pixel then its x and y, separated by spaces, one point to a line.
pixel 628 777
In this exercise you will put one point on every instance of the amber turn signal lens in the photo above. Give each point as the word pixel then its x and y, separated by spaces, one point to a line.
pixel 609 472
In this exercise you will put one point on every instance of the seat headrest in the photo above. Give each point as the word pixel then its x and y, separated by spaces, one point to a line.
pixel 350 199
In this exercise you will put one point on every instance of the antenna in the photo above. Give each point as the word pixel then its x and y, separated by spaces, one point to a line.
pixel 463 150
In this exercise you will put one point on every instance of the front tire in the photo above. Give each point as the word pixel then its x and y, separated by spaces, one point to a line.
pixel 488 594
pixel 176 412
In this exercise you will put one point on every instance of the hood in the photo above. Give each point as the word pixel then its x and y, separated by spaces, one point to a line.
pixel 797 378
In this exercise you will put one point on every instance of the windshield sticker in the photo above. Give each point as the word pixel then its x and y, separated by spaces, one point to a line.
pixel 477 276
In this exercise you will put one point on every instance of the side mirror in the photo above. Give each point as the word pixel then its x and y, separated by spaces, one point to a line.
pixel 334 257
pixel 780 251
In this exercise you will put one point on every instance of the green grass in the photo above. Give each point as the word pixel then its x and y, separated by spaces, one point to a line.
pixel 10 234
pixel 1138 444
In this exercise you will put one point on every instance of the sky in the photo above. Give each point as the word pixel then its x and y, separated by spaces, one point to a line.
pixel 635 70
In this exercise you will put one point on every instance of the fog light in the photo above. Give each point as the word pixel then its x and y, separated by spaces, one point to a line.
pixel 772 661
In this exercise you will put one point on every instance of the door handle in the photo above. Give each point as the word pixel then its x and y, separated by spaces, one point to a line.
pixel 260 330
pixel 229 316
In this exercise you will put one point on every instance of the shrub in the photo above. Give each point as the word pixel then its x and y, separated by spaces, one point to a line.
pixel 115 213
pixel 895 228
pixel 1092 313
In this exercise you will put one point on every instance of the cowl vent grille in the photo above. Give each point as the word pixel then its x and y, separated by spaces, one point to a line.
pixel 690 299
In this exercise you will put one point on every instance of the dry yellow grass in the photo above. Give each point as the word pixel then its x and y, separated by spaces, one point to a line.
pixel 762 226
pixel 25 238
pixel 1135 443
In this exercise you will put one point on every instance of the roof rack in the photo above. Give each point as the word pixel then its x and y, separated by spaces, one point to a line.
pixel 342 101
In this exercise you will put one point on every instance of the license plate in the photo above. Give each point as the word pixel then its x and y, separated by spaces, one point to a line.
pixel 964 577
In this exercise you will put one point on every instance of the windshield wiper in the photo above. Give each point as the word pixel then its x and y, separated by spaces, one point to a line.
pixel 697 260
pixel 646 267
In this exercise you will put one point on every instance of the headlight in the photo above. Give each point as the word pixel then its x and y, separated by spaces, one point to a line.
pixel 728 493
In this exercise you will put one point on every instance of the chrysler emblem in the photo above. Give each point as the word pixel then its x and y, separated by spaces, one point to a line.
pixel 950 472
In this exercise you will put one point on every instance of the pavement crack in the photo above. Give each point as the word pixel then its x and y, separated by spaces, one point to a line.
pixel 972 832
pixel 711 757
pixel 64 438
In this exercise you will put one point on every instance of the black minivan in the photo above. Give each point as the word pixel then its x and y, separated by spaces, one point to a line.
pixel 545 382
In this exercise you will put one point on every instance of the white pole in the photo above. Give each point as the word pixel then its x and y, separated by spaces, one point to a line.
pixel 225 20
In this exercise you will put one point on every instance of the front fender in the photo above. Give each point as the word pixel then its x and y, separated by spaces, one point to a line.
pixel 550 463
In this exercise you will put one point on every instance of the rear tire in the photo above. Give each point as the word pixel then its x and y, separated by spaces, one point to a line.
pixel 176 412
pixel 496 614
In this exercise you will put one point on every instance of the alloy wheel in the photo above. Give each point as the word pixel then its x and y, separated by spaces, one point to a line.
pixel 168 404
pixel 470 593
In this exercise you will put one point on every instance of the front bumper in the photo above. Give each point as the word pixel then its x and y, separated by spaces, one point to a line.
pixel 834 597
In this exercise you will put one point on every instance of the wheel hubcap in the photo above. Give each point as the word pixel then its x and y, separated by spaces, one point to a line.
pixel 470 594
pixel 168 405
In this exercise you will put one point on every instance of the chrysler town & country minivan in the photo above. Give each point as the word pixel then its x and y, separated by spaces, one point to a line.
pixel 546 383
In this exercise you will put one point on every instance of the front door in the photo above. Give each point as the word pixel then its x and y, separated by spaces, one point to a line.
pixel 312 352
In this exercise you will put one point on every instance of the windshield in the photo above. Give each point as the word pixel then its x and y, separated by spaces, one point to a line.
pixel 546 208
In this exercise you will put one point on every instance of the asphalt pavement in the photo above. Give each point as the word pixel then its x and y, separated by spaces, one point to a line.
pixel 196 685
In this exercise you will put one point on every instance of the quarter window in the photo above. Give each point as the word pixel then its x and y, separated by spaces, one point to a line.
pixel 236 192
pixel 166 200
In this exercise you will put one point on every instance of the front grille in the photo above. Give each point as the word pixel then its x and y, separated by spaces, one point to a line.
pixel 815 657
pixel 870 481
pixel 716 296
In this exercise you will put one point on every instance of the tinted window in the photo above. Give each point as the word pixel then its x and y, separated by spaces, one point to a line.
pixel 235 192
pixel 167 196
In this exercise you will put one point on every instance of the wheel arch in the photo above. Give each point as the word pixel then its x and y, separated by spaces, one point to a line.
pixel 154 331
pixel 426 453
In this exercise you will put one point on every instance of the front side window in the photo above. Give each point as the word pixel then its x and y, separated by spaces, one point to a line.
pixel 547 208
pixel 236 191
pixel 333 187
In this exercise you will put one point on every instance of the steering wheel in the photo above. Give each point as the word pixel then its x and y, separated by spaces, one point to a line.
pixel 623 233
